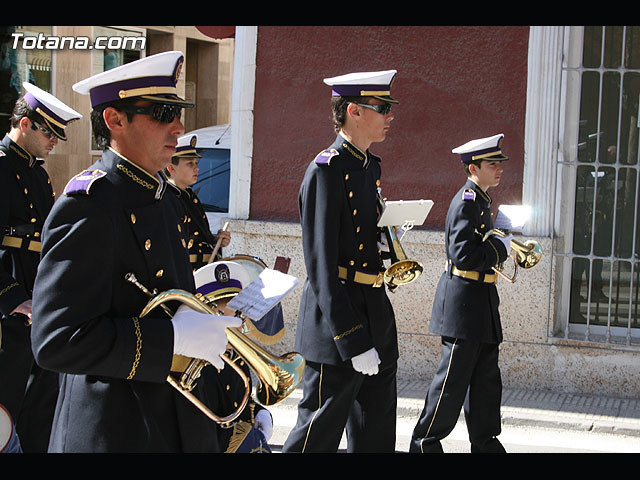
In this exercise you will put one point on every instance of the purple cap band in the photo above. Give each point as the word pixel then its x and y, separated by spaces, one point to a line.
pixel 468 157
pixel 208 288
pixel 35 104
pixel 355 90
pixel 111 91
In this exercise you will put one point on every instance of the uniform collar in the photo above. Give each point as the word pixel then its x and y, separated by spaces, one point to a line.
pixel 348 148
pixel 155 185
pixel 484 195
pixel 21 152
pixel 188 191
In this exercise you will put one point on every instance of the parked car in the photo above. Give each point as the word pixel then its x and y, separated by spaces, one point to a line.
pixel 212 187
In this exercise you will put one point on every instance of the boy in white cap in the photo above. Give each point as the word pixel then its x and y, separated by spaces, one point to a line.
pixel 115 219
pixel 465 312
pixel 346 325
pixel 182 172
pixel 38 122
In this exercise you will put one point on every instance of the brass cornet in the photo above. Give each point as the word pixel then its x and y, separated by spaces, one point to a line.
pixel 402 270
pixel 526 255
pixel 278 376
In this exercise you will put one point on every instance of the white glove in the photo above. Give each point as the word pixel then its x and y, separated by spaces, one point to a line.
pixel 264 423
pixel 200 335
pixel 367 362
pixel 383 243
pixel 507 242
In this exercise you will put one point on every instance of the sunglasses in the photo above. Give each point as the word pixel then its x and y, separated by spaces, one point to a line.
pixel 160 112
pixel 383 109
pixel 47 133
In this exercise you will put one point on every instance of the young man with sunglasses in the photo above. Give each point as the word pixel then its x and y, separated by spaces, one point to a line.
pixel 28 392
pixel 465 312
pixel 346 325
pixel 114 219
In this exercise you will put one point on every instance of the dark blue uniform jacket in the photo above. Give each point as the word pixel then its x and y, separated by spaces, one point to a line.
pixel 26 197
pixel 114 219
pixel 465 308
pixel 339 319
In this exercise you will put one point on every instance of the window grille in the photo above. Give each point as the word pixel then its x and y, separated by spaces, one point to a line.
pixel 598 175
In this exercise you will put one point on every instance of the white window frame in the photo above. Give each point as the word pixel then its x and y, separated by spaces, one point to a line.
pixel 242 105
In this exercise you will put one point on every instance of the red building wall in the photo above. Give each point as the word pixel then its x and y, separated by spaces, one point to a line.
pixel 454 84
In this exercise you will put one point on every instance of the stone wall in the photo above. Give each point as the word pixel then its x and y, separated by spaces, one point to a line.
pixel 530 358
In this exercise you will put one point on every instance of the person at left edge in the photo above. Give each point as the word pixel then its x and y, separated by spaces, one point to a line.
pixel 29 393
pixel 182 173
pixel 115 219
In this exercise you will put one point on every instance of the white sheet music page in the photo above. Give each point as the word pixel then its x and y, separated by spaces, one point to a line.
pixel 512 218
pixel 405 212
pixel 264 293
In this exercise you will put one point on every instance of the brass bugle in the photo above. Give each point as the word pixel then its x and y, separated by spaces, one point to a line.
pixel 526 255
pixel 278 376
pixel 402 270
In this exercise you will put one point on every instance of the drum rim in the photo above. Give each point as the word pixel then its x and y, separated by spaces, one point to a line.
pixel 253 258
pixel 8 439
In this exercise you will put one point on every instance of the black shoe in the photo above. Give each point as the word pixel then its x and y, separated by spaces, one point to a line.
pixel 492 446
pixel 418 445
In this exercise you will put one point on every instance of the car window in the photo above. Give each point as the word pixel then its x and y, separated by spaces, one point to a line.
pixel 212 186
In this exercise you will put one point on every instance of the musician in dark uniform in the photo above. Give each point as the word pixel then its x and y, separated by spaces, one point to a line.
pixel 251 430
pixel 114 219
pixel 28 392
pixel 346 325
pixel 182 173
pixel 465 312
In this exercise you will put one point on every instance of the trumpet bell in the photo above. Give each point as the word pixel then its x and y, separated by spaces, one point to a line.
pixel 528 254
pixel 403 272
pixel 525 255
pixel 278 376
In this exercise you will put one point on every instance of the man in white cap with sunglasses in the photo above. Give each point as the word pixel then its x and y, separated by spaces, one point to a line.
pixel 346 325
pixel 114 219
pixel 29 393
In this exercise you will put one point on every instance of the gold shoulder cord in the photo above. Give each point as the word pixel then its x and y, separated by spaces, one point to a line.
pixel 348 332
pixel 6 289
pixel 136 360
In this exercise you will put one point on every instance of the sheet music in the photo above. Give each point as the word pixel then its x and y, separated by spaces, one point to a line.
pixel 264 293
pixel 405 212
pixel 512 218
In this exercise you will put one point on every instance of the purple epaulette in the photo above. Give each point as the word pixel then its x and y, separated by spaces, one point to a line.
pixel 469 194
pixel 82 182
pixel 324 157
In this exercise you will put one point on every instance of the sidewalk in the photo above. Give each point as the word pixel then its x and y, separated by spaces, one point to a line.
pixel 520 408
pixel 548 409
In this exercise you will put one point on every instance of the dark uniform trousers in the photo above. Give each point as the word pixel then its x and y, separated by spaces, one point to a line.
pixel 27 391
pixel 465 314
pixel 115 219
pixel 343 310
pixel 467 378
pixel 338 396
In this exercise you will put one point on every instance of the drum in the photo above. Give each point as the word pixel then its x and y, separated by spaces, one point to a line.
pixel 252 265
pixel 8 439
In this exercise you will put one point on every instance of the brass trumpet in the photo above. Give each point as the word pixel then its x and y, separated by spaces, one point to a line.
pixel 526 255
pixel 278 376
pixel 402 270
